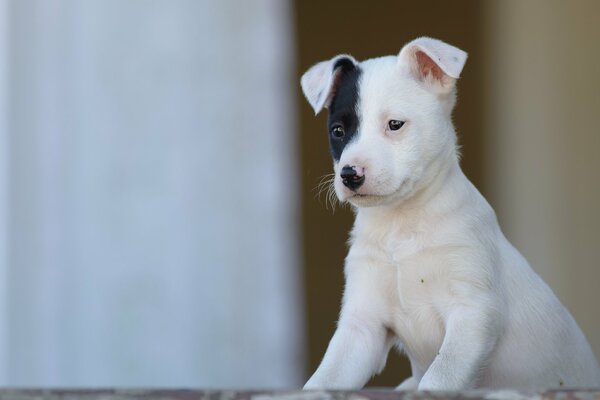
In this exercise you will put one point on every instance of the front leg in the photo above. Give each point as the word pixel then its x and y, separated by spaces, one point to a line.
pixel 356 352
pixel 471 335
pixel 361 343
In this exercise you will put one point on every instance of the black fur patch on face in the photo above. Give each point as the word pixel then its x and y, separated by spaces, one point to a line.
pixel 343 107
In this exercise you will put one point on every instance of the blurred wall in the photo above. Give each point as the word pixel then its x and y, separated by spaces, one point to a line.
pixel 151 194
pixel 542 141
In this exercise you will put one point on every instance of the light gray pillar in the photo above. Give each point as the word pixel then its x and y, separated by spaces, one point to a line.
pixel 4 173
pixel 153 194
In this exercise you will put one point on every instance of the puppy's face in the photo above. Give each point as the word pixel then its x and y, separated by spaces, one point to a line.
pixel 389 118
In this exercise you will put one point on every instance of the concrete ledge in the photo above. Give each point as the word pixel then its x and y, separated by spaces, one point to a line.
pixel 383 394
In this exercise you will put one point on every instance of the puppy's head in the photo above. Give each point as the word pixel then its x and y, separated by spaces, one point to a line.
pixel 389 118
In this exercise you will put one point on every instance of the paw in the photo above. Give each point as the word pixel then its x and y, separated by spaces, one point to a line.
pixel 408 384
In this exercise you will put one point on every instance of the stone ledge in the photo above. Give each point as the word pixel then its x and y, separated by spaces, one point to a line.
pixel 371 394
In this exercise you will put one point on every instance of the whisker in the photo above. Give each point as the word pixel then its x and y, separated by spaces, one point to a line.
pixel 324 180
pixel 326 185
pixel 331 196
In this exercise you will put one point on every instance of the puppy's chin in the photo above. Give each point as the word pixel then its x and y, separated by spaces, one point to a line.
pixel 364 200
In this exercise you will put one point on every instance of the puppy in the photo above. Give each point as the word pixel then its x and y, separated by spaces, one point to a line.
pixel 429 270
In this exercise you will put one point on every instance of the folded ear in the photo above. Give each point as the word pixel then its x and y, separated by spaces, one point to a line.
pixel 320 81
pixel 433 62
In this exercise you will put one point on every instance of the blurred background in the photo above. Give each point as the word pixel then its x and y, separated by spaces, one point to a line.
pixel 159 224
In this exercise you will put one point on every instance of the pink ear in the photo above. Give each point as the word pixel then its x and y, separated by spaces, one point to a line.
pixel 427 66
pixel 434 62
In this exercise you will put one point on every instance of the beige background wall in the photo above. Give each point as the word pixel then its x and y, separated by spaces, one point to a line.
pixel 542 142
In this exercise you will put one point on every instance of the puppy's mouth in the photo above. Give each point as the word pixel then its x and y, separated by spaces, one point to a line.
pixel 365 195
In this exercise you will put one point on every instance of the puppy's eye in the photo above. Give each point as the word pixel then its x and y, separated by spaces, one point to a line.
pixel 394 124
pixel 337 131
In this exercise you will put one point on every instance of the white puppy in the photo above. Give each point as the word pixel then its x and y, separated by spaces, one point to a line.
pixel 428 269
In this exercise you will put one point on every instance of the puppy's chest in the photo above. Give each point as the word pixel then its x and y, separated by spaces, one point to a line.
pixel 420 275
pixel 421 290
pixel 422 293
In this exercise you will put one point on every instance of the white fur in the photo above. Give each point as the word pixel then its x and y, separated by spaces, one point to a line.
pixel 429 270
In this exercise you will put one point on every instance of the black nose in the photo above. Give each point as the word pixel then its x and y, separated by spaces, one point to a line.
pixel 350 178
